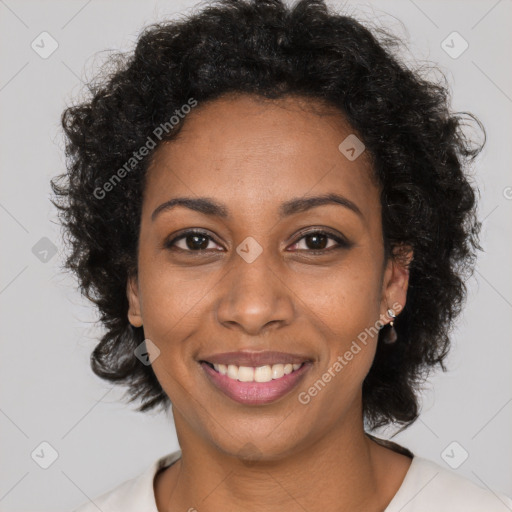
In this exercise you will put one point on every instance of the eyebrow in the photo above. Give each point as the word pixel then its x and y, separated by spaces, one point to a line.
pixel 208 206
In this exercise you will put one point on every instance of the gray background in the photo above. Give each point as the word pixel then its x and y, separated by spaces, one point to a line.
pixel 47 390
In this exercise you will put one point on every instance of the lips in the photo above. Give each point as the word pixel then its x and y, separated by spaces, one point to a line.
pixel 255 359
pixel 249 391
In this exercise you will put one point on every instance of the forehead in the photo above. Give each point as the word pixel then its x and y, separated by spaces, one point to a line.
pixel 245 150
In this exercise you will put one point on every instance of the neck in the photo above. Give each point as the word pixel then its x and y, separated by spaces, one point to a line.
pixel 344 470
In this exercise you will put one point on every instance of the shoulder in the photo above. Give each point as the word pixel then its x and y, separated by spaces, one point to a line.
pixel 429 487
pixel 134 495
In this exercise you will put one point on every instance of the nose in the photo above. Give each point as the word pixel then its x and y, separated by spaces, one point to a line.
pixel 254 297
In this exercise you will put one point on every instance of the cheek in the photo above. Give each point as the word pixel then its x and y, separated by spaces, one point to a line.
pixel 345 306
pixel 173 298
pixel 344 298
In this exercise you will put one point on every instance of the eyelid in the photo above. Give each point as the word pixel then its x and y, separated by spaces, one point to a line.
pixel 169 242
pixel 340 239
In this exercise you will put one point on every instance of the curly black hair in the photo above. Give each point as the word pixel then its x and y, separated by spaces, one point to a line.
pixel 418 147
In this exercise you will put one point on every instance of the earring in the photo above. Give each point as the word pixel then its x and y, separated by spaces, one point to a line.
pixel 391 336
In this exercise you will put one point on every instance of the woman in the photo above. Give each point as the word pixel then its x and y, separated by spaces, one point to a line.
pixel 271 213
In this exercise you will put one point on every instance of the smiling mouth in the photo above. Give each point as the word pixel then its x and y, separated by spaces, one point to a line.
pixel 255 385
pixel 264 373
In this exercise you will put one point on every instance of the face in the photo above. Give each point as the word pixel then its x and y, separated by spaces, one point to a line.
pixel 258 271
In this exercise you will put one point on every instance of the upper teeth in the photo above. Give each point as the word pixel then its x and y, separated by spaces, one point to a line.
pixel 259 374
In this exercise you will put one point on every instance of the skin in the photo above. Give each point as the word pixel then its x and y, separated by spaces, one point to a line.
pixel 252 155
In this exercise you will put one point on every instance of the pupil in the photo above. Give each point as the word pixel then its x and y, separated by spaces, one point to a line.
pixel 316 246
pixel 194 245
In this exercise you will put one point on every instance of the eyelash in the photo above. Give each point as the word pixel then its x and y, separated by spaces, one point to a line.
pixel 342 243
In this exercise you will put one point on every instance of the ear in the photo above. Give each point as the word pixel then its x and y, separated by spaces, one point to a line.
pixel 134 309
pixel 396 280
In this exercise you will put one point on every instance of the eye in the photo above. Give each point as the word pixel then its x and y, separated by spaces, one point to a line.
pixel 317 242
pixel 193 241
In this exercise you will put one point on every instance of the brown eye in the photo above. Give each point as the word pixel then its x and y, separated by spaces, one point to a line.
pixel 196 242
pixel 318 242
pixel 191 241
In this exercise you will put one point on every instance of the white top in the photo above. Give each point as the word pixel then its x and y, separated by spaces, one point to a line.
pixel 427 487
